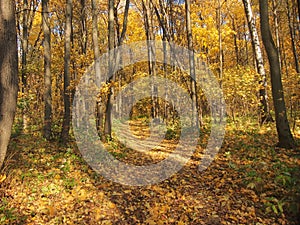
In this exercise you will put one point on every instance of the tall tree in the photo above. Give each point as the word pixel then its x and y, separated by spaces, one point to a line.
pixel 148 23
pixel 121 33
pixel 191 62
pixel 9 73
pixel 120 38
pixel 275 6
pixel 84 30
pixel 95 37
pixel 24 42
pixel 298 4
pixel 47 69
pixel 265 111
pixel 67 59
pixel 292 35
pixel 219 27
pixel 111 45
pixel 285 136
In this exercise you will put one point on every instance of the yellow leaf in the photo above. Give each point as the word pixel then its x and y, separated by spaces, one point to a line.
pixel 2 178
pixel 52 210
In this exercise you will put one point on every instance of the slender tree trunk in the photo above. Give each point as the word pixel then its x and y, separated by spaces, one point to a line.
pixel 298 4
pixel 285 136
pixel 120 37
pixel 292 35
pixel 47 70
pixel 246 45
pixel 219 24
pixel 84 30
pixel 264 111
pixel 95 36
pixel 235 42
pixel 67 59
pixel 148 23
pixel 24 42
pixel 111 45
pixel 122 33
pixel 195 119
pixel 276 24
pixel 9 73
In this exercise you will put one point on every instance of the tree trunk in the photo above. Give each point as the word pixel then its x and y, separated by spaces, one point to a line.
pixel 9 73
pixel 285 136
pixel 120 37
pixel 122 33
pixel 95 36
pixel 84 30
pixel 111 45
pixel 235 42
pixel 24 42
pixel 47 70
pixel 264 109
pixel 292 35
pixel 219 24
pixel 276 25
pixel 195 120
pixel 298 4
pixel 148 23
pixel 67 58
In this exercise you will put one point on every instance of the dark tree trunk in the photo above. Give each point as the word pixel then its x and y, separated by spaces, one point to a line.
pixel 47 70
pixel 285 136
pixel 148 23
pixel 95 36
pixel 67 92
pixel 84 30
pixel 111 44
pixel 195 119
pixel 24 42
pixel 9 73
pixel 292 35
pixel 298 3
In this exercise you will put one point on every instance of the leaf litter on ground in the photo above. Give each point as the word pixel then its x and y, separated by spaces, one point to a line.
pixel 249 182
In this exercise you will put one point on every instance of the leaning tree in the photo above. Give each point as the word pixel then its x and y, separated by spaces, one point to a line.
pixel 285 136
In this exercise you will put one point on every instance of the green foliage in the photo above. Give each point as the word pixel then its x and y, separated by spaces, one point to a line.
pixel 274 205
pixel 69 183
pixel 171 134
pixel 9 215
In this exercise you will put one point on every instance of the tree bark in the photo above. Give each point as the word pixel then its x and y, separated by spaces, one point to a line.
pixel 264 109
pixel 292 35
pixel 148 23
pixel 276 26
pixel 95 36
pixel 298 4
pixel 84 30
pixel 111 45
pixel 9 73
pixel 285 136
pixel 195 120
pixel 121 34
pixel 24 42
pixel 67 59
pixel 235 42
pixel 47 70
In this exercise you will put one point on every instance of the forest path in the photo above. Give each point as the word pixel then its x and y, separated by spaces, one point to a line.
pixel 247 183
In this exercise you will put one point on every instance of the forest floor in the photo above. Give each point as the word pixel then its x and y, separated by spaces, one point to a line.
pixel 249 182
